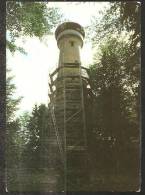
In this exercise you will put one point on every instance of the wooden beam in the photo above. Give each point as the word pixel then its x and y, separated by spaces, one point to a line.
pixel 84 68
pixel 54 72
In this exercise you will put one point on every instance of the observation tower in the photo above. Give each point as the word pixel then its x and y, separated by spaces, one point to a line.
pixel 67 104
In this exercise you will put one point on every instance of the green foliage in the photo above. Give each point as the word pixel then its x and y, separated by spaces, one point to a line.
pixel 115 79
pixel 29 19
pixel 130 13
pixel 13 140
pixel 122 19
pixel 12 47
pixel 11 102
pixel 12 151
pixel 38 128
pixel 115 113
pixel 24 134
pixel 27 147
pixel 120 16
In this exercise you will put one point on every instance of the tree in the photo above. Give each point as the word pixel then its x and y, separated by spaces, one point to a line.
pixel 29 19
pixel 11 102
pixel 12 152
pixel 130 13
pixel 12 122
pixel 114 112
pixel 38 128
pixel 27 148
pixel 23 19
pixel 12 149
pixel 24 132
pixel 119 17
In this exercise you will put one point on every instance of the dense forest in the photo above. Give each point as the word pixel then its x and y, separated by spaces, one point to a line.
pixel 113 110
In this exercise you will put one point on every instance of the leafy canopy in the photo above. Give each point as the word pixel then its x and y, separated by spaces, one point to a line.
pixel 29 19
pixel 12 102
pixel 119 17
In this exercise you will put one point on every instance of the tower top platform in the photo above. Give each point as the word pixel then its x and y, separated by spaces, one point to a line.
pixel 71 28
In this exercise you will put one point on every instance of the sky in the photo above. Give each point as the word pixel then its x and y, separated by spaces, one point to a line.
pixel 32 71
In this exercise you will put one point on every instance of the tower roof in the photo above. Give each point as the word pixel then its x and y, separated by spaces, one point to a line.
pixel 69 26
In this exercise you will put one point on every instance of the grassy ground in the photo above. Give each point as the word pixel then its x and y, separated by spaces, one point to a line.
pixel 34 181
pixel 46 181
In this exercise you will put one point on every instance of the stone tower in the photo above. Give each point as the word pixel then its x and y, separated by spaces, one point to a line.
pixel 68 107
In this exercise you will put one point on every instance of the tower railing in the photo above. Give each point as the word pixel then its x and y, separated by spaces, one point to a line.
pixel 69 119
